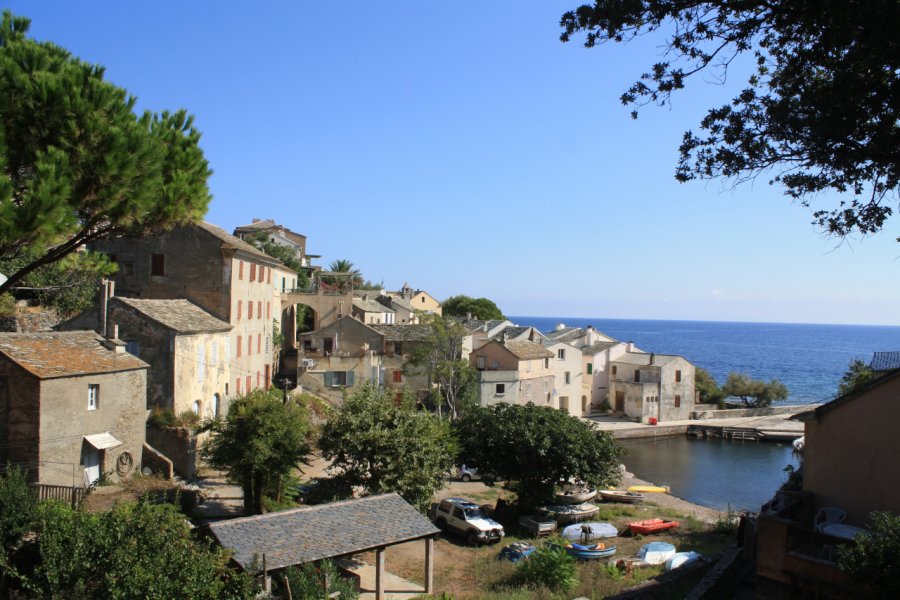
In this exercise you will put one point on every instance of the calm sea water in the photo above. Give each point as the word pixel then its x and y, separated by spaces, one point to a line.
pixel 808 359
pixel 723 474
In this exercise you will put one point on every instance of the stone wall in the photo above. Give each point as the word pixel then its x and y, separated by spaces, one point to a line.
pixel 178 445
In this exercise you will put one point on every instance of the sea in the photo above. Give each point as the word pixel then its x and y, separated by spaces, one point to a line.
pixel 725 474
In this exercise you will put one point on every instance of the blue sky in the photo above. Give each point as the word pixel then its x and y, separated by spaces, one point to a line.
pixel 462 148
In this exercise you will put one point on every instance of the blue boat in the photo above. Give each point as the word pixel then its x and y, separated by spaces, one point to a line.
pixel 516 552
pixel 593 552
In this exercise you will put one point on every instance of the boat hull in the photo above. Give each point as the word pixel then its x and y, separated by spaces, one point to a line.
pixel 650 489
pixel 570 513
pixel 651 526
pixel 575 497
pixel 619 496
pixel 585 554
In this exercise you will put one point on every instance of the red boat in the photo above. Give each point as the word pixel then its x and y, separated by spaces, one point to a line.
pixel 651 526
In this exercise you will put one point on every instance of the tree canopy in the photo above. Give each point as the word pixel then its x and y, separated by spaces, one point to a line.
pixel 708 388
pixel 259 444
pixel 480 308
pixel 538 447
pixel 818 113
pixel 381 447
pixel 856 376
pixel 871 560
pixel 440 357
pixel 754 392
pixel 77 164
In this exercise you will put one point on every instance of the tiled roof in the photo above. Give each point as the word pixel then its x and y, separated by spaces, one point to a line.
pixel 268 224
pixel 405 304
pixel 527 350
pixel 404 332
pixel 371 306
pixel 643 359
pixel 231 241
pixel 598 347
pixel 179 315
pixel 566 334
pixel 885 361
pixel 54 354
pixel 302 535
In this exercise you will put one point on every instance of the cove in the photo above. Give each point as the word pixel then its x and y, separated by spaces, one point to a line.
pixel 716 473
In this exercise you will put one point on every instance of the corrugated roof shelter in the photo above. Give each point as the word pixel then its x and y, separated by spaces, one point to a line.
pixel 302 535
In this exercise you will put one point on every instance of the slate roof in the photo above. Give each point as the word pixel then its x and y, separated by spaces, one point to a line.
pixel 885 361
pixel 53 354
pixel 231 241
pixel 643 359
pixel 511 332
pixel 599 347
pixel 405 304
pixel 403 332
pixel 266 225
pixel 527 350
pixel 182 316
pixel 302 535
pixel 371 306
pixel 566 334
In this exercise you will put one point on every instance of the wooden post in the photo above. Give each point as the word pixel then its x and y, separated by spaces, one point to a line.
pixel 429 565
pixel 379 574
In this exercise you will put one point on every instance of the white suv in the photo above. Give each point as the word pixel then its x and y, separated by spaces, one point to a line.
pixel 463 517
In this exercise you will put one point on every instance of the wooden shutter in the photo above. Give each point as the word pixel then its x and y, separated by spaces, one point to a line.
pixel 329 379
pixel 350 377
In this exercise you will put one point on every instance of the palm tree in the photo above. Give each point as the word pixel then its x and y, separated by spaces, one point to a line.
pixel 342 265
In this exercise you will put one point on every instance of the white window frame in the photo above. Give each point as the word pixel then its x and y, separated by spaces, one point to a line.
pixel 93 402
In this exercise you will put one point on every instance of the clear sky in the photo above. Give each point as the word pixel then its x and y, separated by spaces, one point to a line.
pixel 460 147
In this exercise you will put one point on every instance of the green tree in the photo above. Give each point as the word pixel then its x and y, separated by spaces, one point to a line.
pixel 708 388
pixel 480 308
pixel 259 444
pixel 538 447
pixel 381 448
pixel 871 560
pixel 818 113
pixel 77 164
pixel 348 276
pixel 754 393
pixel 283 253
pixel 18 513
pixel 857 375
pixel 132 552
pixel 551 567
pixel 440 357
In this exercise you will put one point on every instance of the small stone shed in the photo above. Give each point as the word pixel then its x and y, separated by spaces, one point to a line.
pixel 338 529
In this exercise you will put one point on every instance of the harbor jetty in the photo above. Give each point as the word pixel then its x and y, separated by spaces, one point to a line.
pixel 771 424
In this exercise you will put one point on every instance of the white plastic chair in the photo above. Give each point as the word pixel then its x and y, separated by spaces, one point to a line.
pixel 828 515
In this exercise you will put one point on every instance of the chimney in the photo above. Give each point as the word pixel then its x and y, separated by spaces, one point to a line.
pixel 503 338
pixel 559 327
pixel 114 343
pixel 652 356
pixel 589 335
pixel 630 346
pixel 107 291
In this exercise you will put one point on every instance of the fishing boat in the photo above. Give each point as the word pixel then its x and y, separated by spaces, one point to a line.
pixel 569 513
pixel 651 526
pixel 656 553
pixel 650 489
pixel 621 496
pixel 592 552
pixel 575 495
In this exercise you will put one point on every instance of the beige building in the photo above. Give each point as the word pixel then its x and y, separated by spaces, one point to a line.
pixel 222 274
pixel 418 300
pixel 370 312
pixel 279 235
pixel 516 372
pixel 567 365
pixel 652 387
pixel 72 407
pixel 400 342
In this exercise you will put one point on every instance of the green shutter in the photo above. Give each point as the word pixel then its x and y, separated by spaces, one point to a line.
pixel 350 376
pixel 590 368
pixel 328 379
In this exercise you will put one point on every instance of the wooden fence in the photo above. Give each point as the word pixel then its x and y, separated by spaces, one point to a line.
pixel 70 495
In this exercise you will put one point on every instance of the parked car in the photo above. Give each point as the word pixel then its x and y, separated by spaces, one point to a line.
pixel 464 518
pixel 465 473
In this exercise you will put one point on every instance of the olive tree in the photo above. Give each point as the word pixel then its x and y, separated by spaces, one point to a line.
pixel 754 393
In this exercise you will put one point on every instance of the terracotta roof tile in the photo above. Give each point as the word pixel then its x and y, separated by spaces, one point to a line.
pixel 527 350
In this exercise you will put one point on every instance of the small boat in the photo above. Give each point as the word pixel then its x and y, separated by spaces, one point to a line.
pixel 651 526
pixel 650 489
pixel 590 531
pixel 516 552
pixel 622 496
pixel 682 558
pixel 569 513
pixel 575 495
pixel 656 553
pixel 594 552
pixel 799 443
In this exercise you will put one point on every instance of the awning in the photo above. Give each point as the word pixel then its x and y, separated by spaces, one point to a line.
pixel 102 441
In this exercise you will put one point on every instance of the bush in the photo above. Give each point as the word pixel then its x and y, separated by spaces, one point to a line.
pixel 162 417
pixel 550 567
pixel 313 581
pixel 7 305
pixel 188 418
pixel 871 560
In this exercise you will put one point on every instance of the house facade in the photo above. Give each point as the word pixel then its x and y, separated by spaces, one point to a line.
pixel 567 365
pixel 367 310
pixel 418 300
pixel 222 274
pixel 400 342
pixel 652 387
pixel 72 407
pixel 279 235
pixel 516 372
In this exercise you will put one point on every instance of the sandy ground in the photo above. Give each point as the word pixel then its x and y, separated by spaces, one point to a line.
pixel 707 515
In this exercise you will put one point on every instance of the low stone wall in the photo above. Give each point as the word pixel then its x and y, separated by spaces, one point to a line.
pixel 177 444
pixel 154 460
pixel 731 413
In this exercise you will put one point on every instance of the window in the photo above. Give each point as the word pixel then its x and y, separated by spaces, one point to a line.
pixel 237 386
pixel 677 400
pixel 259 343
pixel 398 376
pixel 546 363
pixel 252 271
pixel 423 299
pixel 249 310
pixel 262 274
pixel 561 354
pixel 637 375
pixel 238 353
pixel 249 384
pixel 240 308
pixel 269 276
pixel 568 377
pixel 398 347
pixel 479 362
pixel 127 268
pixel 158 265
pixel 339 378
pixel 268 310
pixel 240 269
pixel 93 396
pixel 132 348
pixel 590 369
pixel 259 309
pixel 499 389
pixel 614 369
pixel 195 407
pixel 677 376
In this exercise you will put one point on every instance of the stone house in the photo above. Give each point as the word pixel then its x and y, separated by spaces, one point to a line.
pixel 516 372
pixel 400 341
pixel 342 355
pixel 72 406
pixel 404 312
pixel 652 386
pixel 280 235
pixel 484 331
pixel 222 274
pixel 418 300
pixel 566 363
pixel 371 312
